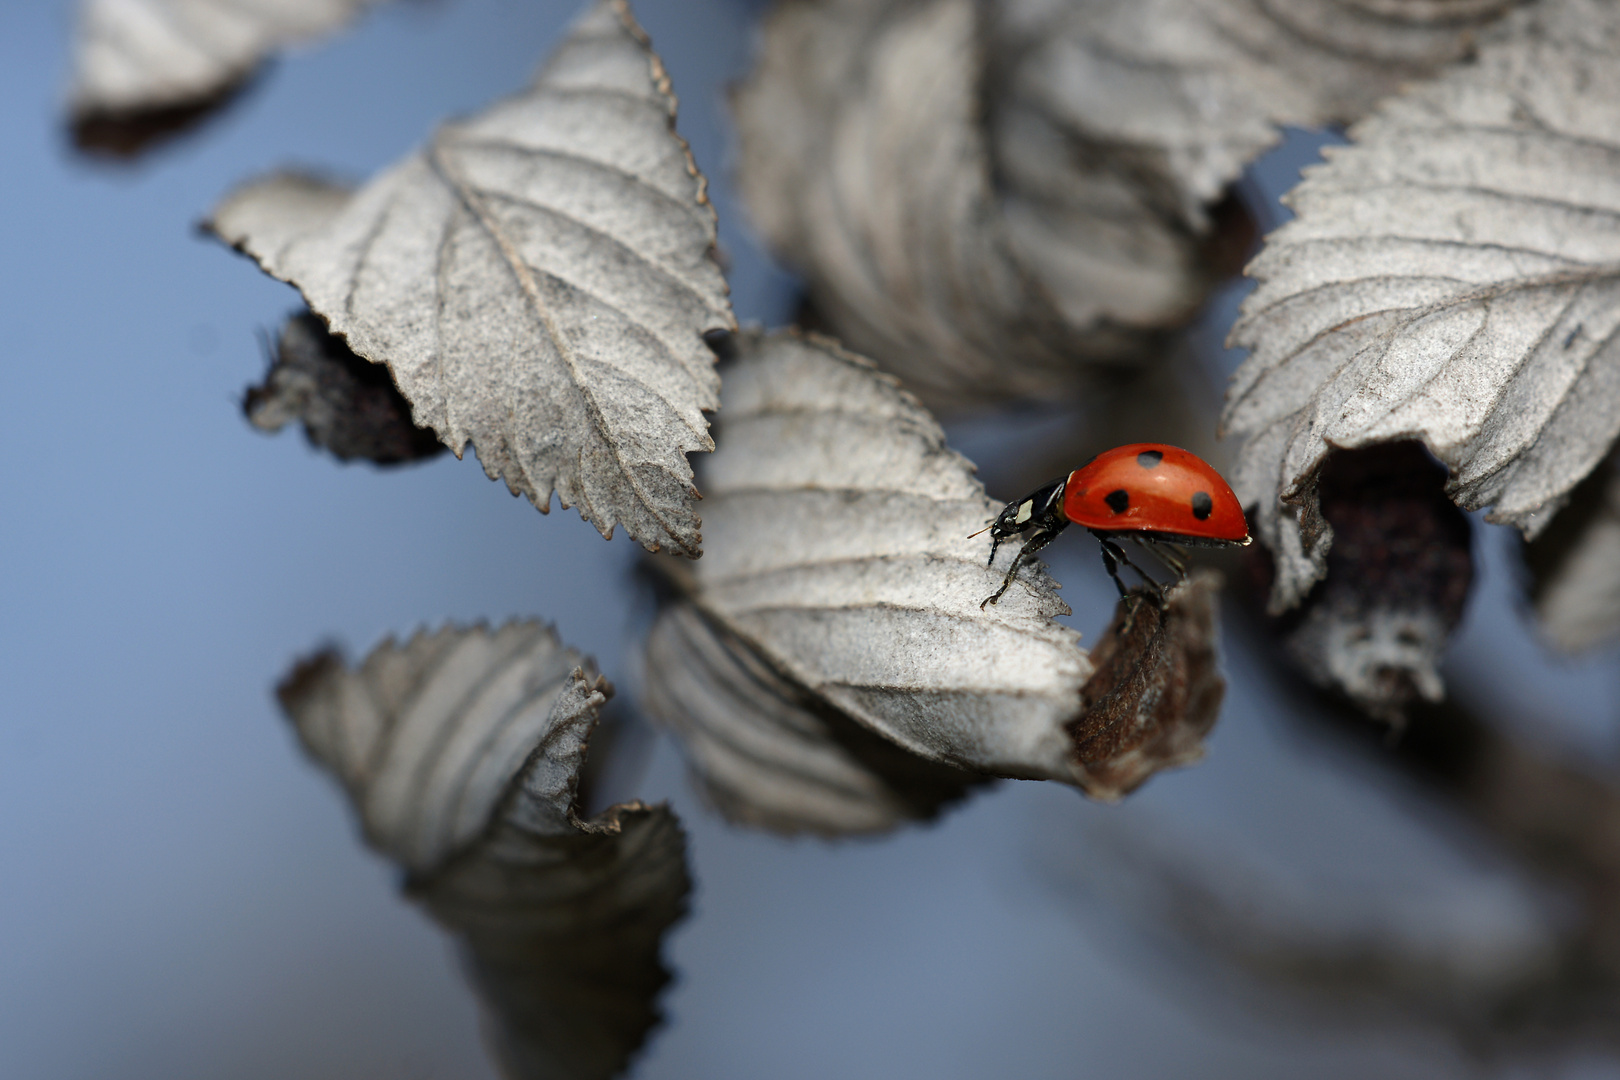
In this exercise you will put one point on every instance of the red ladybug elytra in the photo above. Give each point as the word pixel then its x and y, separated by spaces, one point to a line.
pixel 1148 492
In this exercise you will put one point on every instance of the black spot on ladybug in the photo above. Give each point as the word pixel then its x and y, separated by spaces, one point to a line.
pixel 1202 505
pixel 1149 458
pixel 1118 500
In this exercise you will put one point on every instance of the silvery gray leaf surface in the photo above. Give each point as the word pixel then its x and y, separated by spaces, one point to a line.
pixel 538 279
pixel 1453 277
pixel 346 405
pixel 766 753
pixel 1182 94
pixel 141 67
pixel 864 163
pixel 1575 564
pixel 841 580
pixel 461 750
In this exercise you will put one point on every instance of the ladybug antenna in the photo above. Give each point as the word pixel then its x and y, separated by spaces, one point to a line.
pixel 982 531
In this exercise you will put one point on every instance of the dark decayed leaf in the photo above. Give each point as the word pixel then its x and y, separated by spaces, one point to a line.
pixel 863 161
pixel 148 69
pixel 840 589
pixel 1453 277
pixel 347 405
pixel 1157 689
pixel 538 279
pixel 1376 627
pixel 461 751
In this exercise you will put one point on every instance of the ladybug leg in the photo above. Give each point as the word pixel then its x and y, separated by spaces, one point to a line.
pixel 1173 558
pixel 1037 540
pixel 1111 564
pixel 1114 556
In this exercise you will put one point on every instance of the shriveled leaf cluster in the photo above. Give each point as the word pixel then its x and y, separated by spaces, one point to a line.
pixel 989 198
pixel 461 751
pixel 347 406
pixel 1452 277
pixel 538 279
pixel 145 68
pixel 840 591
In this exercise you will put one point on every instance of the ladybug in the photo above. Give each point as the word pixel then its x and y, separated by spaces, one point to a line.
pixel 1148 492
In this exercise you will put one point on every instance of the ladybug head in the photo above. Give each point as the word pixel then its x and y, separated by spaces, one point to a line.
pixel 1040 509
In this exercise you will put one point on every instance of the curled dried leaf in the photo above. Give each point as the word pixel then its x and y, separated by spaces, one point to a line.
pixel 1398 574
pixel 147 69
pixel 348 406
pixel 1172 98
pixel 461 751
pixel 1453 276
pixel 1156 691
pixel 1575 565
pixel 863 161
pixel 538 279
pixel 768 753
pixel 840 580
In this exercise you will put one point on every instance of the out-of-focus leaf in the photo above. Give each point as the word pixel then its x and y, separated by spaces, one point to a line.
pixel 768 753
pixel 1157 689
pixel 1575 566
pixel 1376 627
pixel 347 405
pixel 840 579
pixel 538 279
pixel 1172 98
pixel 1454 277
pixel 145 69
pixel 863 161
pixel 461 751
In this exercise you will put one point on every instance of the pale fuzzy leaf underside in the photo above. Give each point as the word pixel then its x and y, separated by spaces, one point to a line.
pixel 461 751
pixel 538 279
pixel 1453 277
pixel 838 551
pixel 135 58
pixel 863 161
pixel 766 753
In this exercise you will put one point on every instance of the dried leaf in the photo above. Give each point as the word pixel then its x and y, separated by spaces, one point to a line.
pixel 146 69
pixel 348 406
pixel 1398 574
pixel 840 579
pixel 1157 689
pixel 863 161
pixel 461 750
pixel 1575 564
pixel 1175 97
pixel 1453 277
pixel 538 279
pixel 768 753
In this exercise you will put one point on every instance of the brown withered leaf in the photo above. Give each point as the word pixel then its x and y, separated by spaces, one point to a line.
pixel 768 753
pixel 1453 277
pixel 461 750
pixel 538 279
pixel 863 161
pixel 347 406
pixel 841 577
pixel 147 69
pixel 1157 689
pixel 1398 574
pixel 1172 98
pixel 1575 565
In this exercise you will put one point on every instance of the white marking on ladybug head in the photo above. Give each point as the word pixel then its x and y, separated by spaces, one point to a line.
pixel 1025 512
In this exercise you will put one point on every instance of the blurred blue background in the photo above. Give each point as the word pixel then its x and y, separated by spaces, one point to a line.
pixel 183 896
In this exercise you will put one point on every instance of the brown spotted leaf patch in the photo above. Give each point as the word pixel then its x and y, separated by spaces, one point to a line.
pixel 538 279
pixel 1157 689
pixel 145 70
pixel 347 406
pixel 461 751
